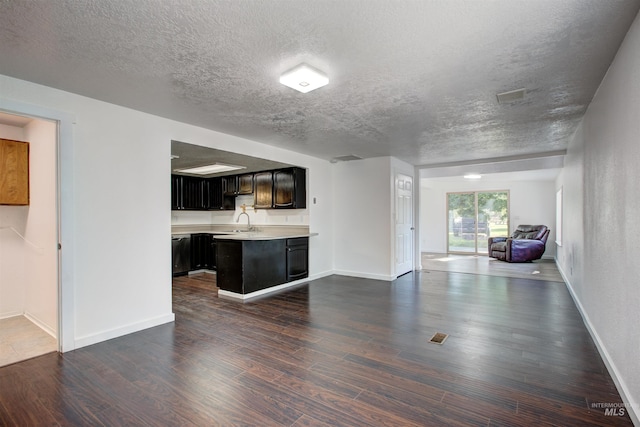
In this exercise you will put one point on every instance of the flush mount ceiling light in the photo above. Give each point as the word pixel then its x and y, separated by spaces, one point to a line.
pixel 208 169
pixel 472 176
pixel 304 78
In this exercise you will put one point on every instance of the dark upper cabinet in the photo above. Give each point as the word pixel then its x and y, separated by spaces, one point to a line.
pixel 245 184
pixel 193 193
pixel 263 190
pixel 216 193
pixel 289 189
pixel 188 192
pixel 176 192
pixel 230 185
pixel 281 189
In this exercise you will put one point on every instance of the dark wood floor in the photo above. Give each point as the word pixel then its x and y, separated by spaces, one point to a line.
pixel 338 352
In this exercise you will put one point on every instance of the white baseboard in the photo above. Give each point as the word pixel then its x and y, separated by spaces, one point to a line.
pixel 262 292
pixel 611 366
pixel 124 330
pixel 9 314
pixel 42 325
pixel 365 275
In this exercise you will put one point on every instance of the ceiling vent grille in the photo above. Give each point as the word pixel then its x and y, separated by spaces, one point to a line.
pixel 345 158
pixel 512 95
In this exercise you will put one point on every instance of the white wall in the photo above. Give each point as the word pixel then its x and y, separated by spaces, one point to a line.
pixel 41 261
pixel 293 217
pixel 602 171
pixel 119 254
pixel 363 192
pixel 531 202
pixel 362 198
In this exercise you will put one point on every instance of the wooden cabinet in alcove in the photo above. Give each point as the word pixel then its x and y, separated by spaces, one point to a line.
pixel 14 172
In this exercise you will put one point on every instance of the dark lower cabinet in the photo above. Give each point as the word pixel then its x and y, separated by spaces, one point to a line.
pixel 297 258
pixel 246 266
pixel 202 251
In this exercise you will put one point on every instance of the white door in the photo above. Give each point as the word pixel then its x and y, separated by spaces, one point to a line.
pixel 404 223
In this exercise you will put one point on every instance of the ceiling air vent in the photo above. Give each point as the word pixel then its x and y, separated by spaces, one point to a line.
pixel 512 95
pixel 345 158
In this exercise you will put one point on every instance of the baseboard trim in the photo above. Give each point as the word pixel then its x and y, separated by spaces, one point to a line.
pixel 621 386
pixel 386 278
pixel 124 330
pixel 10 314
pixel 262 292
pixel 41 325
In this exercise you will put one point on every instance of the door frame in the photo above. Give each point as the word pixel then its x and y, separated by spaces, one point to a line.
pixel 64 208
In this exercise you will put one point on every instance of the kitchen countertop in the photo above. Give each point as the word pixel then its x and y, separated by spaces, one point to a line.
pixel 240 232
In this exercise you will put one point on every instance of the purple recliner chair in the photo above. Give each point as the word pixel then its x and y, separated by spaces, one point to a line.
pixel 526 244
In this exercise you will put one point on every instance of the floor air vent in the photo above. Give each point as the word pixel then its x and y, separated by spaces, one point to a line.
pixel 438 338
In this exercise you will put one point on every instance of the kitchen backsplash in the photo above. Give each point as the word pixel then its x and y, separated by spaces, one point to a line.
pixel 260 217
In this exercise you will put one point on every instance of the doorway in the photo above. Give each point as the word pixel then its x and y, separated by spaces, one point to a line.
pixel 404 241
pixel 29 263
pixel 473 217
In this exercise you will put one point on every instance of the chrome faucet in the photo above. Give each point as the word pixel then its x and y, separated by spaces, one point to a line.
pixel 248 219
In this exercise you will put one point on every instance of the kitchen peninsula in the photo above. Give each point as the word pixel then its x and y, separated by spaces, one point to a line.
pixel 252 262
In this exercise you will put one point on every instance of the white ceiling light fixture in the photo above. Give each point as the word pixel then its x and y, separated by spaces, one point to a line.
pixel 304 78
pixel 472 176
pixel 208 169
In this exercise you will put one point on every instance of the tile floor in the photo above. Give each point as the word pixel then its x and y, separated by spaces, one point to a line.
pixel 20 339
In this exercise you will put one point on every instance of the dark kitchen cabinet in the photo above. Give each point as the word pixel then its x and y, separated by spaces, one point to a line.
pixel 245 184
pixel 176 192
pixel 281 189
pixel 192 193
pixel 230 185
pixel 263 190
pixel 202 251
pixel 216 193
pixel 289 189
pixel 246 266
pixel 297 258
pixel 188 192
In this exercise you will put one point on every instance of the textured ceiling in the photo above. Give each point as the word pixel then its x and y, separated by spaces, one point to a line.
pixel 184 155
pixel 412 79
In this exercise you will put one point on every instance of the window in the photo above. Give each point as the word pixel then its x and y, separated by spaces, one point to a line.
pixel 473 217
pixel 559 217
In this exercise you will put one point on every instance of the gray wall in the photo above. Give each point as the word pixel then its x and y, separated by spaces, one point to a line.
pixel 601 188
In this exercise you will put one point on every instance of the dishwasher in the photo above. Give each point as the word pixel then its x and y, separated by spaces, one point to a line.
pixel 181 254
